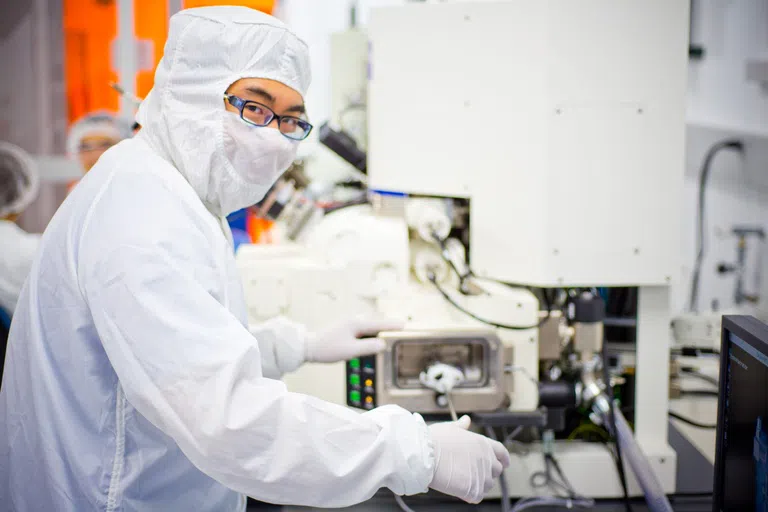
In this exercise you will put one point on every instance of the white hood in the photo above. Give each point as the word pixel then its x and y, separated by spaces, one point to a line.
pixel 19 182
pixel 208 49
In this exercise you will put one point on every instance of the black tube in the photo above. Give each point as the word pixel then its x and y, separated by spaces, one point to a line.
pixel 557 394
pixel 345 146
pixel 693 301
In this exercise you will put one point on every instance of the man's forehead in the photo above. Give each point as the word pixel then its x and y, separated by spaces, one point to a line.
pixel 269 92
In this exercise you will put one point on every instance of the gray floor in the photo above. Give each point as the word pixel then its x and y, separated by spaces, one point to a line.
pixel 694 484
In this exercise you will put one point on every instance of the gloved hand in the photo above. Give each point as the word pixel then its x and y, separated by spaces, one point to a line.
pixel 466 464
pixel 349 340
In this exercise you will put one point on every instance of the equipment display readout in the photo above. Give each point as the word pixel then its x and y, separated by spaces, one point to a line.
pixel 361 382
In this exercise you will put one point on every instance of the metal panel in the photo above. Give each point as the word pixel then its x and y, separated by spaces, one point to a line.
pixel 562 121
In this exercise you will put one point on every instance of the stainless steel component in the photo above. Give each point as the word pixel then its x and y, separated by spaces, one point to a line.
pixel 477 353
pixel 588 337
pixel 550 338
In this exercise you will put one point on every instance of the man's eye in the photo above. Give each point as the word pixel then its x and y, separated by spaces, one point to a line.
pixel 255 109
pixel 290 121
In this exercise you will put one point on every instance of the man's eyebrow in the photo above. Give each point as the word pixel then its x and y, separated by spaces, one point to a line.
pixel 258 91
pixel 297 108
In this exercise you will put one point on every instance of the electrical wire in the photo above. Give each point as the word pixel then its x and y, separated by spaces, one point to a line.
pixel 693 304
pixel 545 478
pixel 463 276
pixel 701 376
pixel 548 480
pixel 433 279
pixel 619 460
pixel 513 434
pixel 700 392
pixel 505 501
pixel 541 479
pixel 513 445
pixel 552 502
pixel 469 273
pixel 563 478
pixel 402 504
pixel 451 408
pixel 693 423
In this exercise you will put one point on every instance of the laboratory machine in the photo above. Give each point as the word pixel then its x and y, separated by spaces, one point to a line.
pixel 520 158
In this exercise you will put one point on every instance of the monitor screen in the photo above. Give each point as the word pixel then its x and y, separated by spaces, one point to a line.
pixel 742 453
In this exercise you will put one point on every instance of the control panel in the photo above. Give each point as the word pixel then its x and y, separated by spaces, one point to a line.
pixel 361 382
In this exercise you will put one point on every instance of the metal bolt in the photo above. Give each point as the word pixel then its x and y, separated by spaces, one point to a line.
pixel 637 250
pixel 639 111
pixel 555 252
pixel 467 18
pixel 558 111
pixel 532 340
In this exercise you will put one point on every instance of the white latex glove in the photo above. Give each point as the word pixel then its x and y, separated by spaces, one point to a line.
pixel 466 464
pixel 349 340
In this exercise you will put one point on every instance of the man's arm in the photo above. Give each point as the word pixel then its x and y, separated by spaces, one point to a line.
pixel 187 364
pixel 282 344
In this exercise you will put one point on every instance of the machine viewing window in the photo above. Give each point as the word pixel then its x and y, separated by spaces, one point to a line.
pixel 414 356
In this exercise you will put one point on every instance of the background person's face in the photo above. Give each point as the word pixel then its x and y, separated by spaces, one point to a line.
pixel 92 147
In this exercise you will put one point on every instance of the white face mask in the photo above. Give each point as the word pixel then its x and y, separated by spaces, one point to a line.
pixel 258 154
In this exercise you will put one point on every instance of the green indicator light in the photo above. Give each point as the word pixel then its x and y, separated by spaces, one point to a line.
pixel 354 363
pixel 354 379
pixel 354 396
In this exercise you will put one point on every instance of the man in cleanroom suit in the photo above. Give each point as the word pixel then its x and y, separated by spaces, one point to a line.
pixel 132 383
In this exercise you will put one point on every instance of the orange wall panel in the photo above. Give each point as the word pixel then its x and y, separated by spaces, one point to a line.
pixel 151 19
pixel 261 5
pixel 90 26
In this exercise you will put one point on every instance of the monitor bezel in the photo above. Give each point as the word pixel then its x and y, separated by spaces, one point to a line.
pixel 755 333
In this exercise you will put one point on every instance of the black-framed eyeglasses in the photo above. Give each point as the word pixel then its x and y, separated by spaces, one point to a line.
pixel 256 114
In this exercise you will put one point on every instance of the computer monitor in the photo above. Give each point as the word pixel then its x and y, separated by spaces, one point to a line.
pixel 741 465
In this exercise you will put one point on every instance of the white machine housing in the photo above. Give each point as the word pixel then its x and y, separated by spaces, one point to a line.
pixel 563 124
pixel 562 121
pixel 357 262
